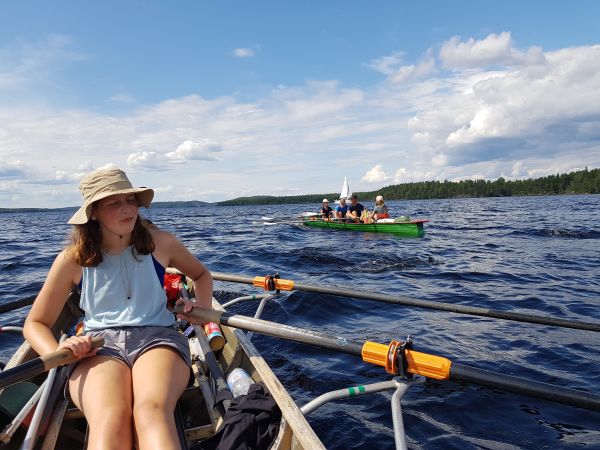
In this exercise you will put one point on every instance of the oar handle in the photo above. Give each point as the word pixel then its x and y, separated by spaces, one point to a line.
pixel 66 356
pixel 41 364
pixel 200 314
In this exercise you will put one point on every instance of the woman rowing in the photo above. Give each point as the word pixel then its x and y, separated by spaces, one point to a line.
pixel 127 389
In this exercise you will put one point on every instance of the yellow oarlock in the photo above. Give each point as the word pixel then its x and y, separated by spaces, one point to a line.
pixel 279 283
pixel 418 363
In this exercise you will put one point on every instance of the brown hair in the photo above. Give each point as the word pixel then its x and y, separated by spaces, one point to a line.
pixel 86 241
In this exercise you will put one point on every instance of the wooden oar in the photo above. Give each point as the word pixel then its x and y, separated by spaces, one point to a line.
pixel 41 364
pixel 413 362
pixel 289 285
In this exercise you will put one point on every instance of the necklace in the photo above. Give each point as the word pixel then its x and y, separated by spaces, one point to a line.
pixel 125 279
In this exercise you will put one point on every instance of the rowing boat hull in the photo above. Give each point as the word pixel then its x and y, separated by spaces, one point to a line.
pixel 409 229
pixel 65 428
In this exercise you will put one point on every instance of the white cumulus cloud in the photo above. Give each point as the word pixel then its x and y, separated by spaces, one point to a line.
pixel 494 49
pixel 144 160
pixel 375 175
pixel 190 150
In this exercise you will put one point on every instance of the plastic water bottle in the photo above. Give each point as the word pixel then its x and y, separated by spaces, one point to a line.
pixel 239 382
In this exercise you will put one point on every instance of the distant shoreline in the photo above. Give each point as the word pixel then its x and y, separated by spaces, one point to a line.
pixel 574 183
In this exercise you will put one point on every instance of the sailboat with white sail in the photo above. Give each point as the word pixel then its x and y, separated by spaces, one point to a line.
pixel 345 192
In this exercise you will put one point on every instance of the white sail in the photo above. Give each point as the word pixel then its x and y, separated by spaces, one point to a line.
pixel 345 190
pixel 345 193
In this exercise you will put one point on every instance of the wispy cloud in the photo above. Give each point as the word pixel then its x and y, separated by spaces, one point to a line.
pixel 387 64
pixel 122 98
pixel 243 52
pixel 25 65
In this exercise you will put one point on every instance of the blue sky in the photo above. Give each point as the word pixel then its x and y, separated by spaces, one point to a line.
pixel 215 100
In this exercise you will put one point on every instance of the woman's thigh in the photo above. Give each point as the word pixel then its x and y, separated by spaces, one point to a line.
pixel 99 383
pixel 159 376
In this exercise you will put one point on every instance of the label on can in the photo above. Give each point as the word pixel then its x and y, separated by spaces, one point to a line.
pixel 214 336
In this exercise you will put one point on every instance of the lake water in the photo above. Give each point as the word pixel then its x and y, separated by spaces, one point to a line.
pixel 537 255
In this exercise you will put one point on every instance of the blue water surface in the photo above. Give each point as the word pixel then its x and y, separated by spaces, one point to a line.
pixel 537 255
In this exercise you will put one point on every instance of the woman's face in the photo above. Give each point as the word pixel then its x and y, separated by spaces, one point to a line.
pixel 117 213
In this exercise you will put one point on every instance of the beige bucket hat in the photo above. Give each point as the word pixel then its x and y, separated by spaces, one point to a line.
pixel 103 183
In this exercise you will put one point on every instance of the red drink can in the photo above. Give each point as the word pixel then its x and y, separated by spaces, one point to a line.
pixel 214 336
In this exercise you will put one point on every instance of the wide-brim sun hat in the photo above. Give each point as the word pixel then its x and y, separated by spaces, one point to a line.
pixel 103 183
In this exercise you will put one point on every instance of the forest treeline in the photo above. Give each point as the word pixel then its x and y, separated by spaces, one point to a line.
pixel 580 182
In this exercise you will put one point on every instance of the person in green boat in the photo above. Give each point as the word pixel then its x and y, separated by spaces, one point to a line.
pixel 355 209
pixel 342 209
pixel 326 211
pixel 380 211
pixel 128 388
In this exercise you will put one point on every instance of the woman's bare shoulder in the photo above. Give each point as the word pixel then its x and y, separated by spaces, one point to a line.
pixel 162 238
pixel 158 233
pixel 67 256
pixel 66 264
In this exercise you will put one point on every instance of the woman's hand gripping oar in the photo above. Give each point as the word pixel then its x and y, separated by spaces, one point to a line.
pixel 399 358
pixel 43 364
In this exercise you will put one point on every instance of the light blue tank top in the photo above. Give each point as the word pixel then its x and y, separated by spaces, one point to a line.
pixel 105 290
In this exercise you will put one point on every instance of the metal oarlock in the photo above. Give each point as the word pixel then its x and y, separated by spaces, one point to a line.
pixel 395 361
pixel 400 358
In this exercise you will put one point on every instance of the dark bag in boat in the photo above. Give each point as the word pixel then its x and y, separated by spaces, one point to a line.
pixel 251 423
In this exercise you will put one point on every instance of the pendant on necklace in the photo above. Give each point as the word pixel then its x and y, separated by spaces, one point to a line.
pixel 125 279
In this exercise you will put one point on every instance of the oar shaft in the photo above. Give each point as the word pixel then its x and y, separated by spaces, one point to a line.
pixel 428 304
pixel 17 304
pixel 15 375
pixel 41 364
pixel 277 330
pixel 495 380
pixel 458 372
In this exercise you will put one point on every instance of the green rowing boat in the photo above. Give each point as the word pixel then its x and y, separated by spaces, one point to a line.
pixel 414 228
